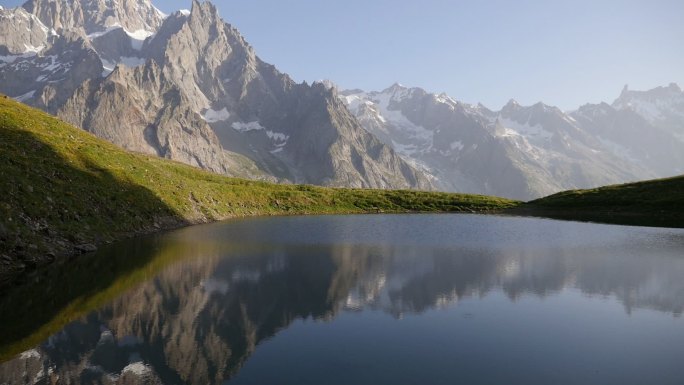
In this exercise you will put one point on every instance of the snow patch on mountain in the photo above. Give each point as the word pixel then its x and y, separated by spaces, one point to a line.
pixel 457 145
pixel 138 37
pixel 653 105
pixel 128 61
pixel 246 127
pixel 277 136
pixel 396 118
pixel 654 110
pixel 137 368
pixel 279 139
pixel 534 132
pixel 213 116
pixel 9 59
pixel 32 49
pixel 408 138
pixel 95 35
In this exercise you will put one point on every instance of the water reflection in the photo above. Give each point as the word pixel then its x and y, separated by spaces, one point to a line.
pixel 199 304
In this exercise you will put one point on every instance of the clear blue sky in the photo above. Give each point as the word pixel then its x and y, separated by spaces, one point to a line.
pixel 565 53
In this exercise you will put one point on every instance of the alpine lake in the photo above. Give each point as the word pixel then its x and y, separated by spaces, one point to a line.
pixel 360 299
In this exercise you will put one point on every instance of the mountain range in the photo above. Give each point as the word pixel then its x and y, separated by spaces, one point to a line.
pixel 527 151
pixel 188 87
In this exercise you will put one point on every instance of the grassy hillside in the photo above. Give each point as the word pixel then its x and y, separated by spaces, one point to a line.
pixel 649 203
pixel 62 189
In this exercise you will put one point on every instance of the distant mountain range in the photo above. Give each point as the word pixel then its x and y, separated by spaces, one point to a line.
pixel 188 87
pixel 527 151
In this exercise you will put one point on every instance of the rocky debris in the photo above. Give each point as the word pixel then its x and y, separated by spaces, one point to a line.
pixel 86 248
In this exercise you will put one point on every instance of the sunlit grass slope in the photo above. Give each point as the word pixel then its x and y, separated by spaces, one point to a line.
pixel 61 187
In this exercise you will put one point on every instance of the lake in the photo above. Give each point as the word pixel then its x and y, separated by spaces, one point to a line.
pixel 376 299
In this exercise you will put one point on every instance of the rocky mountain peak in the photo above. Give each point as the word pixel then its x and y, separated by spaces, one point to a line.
pixel 189 87
pixel 137 17
pixel 329 84
pixel 658 105
pixel 394 88
pixel 21 32
pixel 659 93
pixel 204 9
pixel 512 103
pixel 591 110
pixel 625 90
pixel 511 106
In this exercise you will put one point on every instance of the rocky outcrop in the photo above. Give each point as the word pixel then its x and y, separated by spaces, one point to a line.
pixel 20 32
pixel 138 17
pixel 138 109
pixel 188 87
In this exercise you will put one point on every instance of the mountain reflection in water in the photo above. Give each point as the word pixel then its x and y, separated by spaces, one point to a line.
pixel 197 318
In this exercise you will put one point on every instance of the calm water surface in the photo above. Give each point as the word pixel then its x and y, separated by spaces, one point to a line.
pixel 387 299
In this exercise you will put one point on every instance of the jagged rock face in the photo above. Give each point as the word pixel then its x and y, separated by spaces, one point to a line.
pixel 565 155
pixel 20 32
pixel 413 123
pixel 135 16
pixel 634 139
pixel 519 152
pixel 662 107
pixel 188 87
pixel 296 132
pixel 48 78
pixel 136 106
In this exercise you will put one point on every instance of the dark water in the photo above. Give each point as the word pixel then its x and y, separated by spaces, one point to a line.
pixel 388 299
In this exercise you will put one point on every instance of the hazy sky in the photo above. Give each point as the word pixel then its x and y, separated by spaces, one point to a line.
pixel 565 53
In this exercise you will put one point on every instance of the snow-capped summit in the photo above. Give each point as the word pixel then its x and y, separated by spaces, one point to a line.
pixel 520 151
pixel 661 106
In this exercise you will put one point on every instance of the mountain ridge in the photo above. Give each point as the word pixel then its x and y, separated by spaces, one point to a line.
pixel 189 87
pixel 543 148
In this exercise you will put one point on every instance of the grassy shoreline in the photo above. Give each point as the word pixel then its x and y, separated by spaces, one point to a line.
pixel 64 192
pixel 654 203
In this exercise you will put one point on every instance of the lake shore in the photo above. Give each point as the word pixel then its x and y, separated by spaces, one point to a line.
pixel 65 191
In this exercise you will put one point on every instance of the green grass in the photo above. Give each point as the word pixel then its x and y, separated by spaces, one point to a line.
pixel 61 186
pixel 649 203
